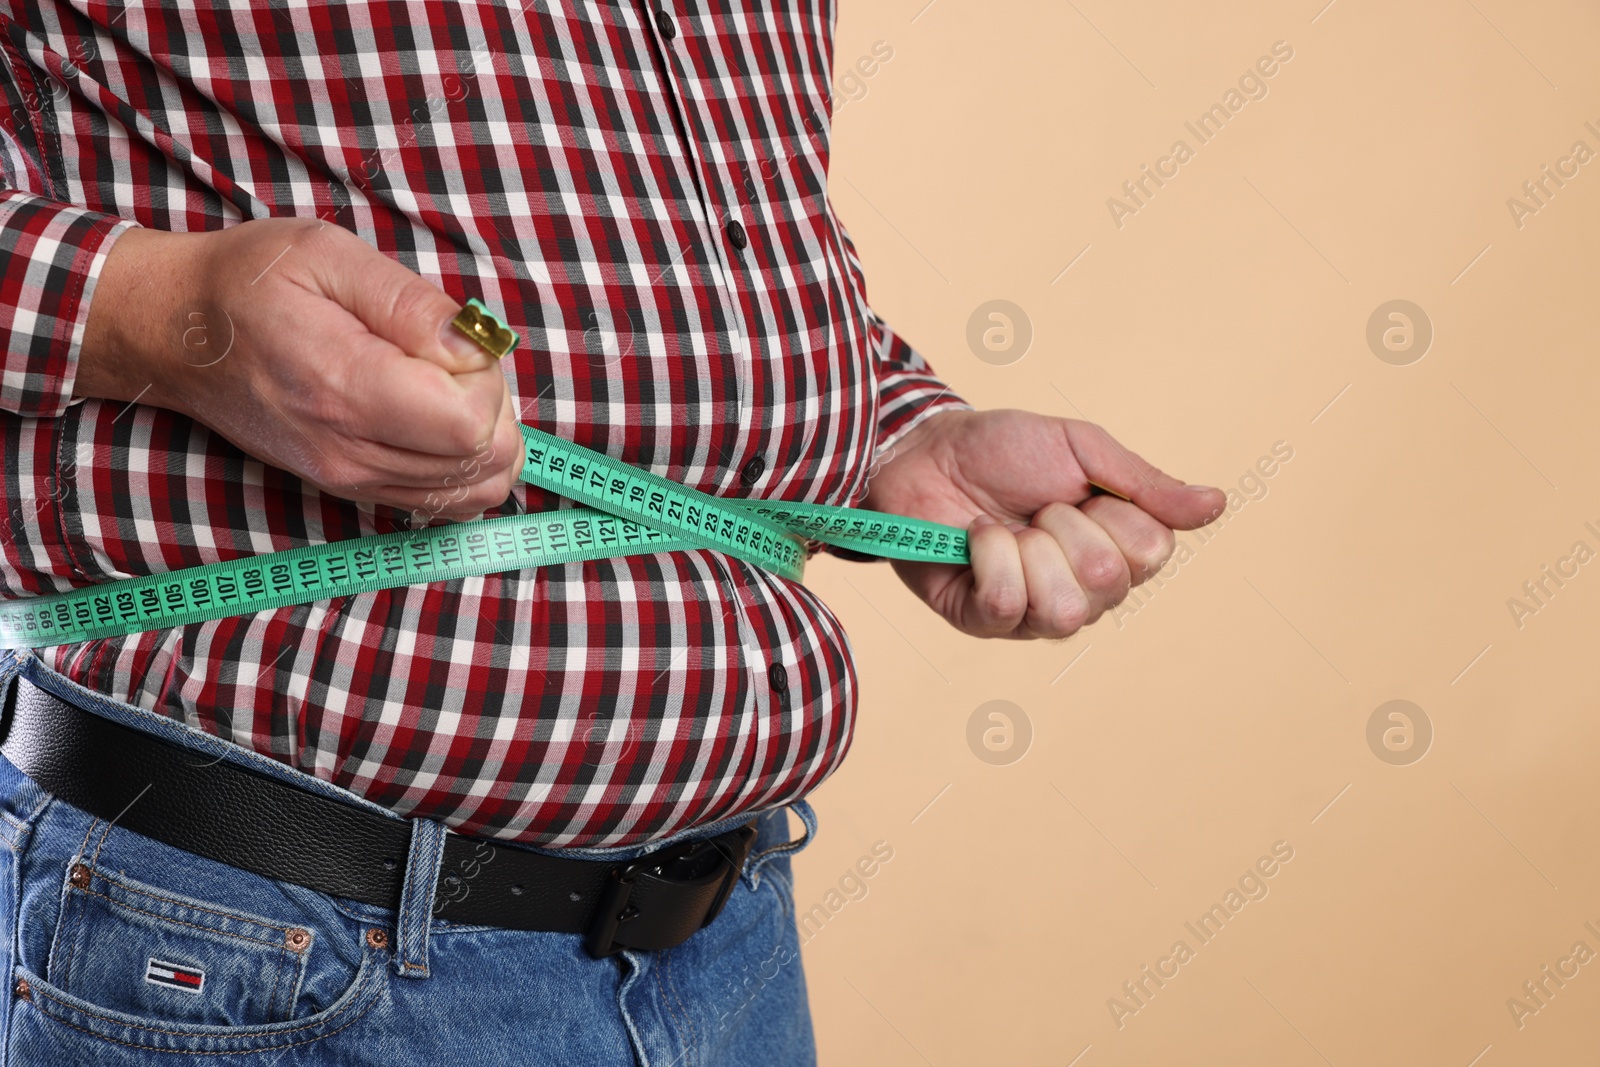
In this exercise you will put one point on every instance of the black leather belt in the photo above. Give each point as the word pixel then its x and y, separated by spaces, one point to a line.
pixel 243 818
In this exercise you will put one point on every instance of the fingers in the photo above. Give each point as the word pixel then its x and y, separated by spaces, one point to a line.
pixel 1107 463
pixel 369 463
pixel 1057 604
pixel 347 374
pixel 461 490
pixel 415 405
pixel 408 434
pixel 457 504
pixel 996 596
pixel 503 466
pixel 404 309
pixel 1145 544
pixel 449 399
pixel 1096 577
pixel 1059 574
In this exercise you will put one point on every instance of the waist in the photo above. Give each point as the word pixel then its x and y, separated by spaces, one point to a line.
pixel 592 705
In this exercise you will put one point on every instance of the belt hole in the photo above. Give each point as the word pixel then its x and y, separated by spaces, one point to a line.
pixel 390 865
pixel 378 939
pixel 575 897
pixel 516 890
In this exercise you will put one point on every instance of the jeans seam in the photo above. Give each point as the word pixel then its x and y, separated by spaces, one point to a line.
pixel 24 827
pixel 183 904
pixel 61 940
pixel 68 934
pixel 67 931
pixel 272 1000
pixel 389 916
pixel 14 929
pixel 83 846
pixel 180 922
pixel 94 861
pixel 668 986
pixel 787 890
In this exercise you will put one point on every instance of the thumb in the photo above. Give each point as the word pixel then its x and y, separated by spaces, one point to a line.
pixel 1161 496
pixel 401 307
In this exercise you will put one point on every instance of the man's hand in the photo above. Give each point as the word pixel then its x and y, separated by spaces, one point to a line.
pixel 1047 556
pixel 311 351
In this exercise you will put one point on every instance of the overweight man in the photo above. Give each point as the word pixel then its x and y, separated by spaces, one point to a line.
pixel 531 817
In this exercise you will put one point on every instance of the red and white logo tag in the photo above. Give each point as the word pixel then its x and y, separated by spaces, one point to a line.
pixel 174 976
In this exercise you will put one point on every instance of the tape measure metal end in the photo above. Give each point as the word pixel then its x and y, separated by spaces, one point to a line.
pixel 485 329
pixel 1095 488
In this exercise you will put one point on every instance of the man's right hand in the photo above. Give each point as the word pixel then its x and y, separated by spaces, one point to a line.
pixel 313 352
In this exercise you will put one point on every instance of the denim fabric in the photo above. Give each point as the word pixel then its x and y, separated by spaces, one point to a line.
pixel 123 951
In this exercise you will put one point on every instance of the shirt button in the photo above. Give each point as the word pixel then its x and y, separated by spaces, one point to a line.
pixel 665 24
pixel 736 235
pixel 778 677
pixel 752 472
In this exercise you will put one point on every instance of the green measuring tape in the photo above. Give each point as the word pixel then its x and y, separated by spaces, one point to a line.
pixel 626 511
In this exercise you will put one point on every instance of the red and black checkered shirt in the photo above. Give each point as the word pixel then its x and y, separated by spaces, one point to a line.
pixel 642 192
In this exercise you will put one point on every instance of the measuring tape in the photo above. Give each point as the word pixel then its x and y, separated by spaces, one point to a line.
pixel 624 511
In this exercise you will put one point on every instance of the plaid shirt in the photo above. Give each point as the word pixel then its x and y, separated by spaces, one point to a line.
pixel 642 193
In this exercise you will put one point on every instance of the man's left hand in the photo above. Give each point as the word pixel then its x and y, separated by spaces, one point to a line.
pixel 1048 555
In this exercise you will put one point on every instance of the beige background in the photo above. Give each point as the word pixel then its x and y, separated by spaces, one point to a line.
pixel 1171 751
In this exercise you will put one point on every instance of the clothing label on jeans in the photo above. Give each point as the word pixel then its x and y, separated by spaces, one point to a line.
pixel 174 976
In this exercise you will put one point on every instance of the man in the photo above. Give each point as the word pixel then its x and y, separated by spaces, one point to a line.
pixel 235 237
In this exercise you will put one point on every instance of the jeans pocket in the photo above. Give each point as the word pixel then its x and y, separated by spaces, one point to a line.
pixel 146 951
pixel 123 939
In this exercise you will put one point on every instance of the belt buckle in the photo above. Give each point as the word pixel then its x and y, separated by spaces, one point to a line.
pixel 613 909
pixel 600 941
pixel 744 839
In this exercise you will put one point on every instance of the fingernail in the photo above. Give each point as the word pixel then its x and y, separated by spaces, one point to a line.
pixel 459 344
pixel 1202 488
pixel 1016 527
pixel 982 520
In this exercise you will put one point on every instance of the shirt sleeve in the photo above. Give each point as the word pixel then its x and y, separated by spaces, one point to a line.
pixel 908 393
pixel 908 389
pixel 53 254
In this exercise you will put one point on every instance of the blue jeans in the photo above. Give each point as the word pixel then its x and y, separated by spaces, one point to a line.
pixel 125 951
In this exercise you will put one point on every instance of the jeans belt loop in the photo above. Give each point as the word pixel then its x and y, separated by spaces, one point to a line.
pixel 417 896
